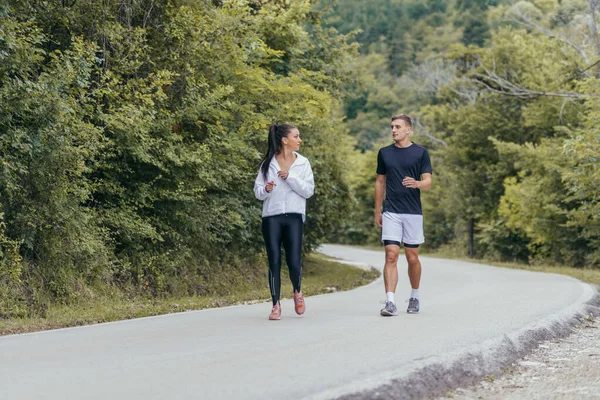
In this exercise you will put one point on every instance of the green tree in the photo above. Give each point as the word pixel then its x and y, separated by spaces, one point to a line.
pixel 131 132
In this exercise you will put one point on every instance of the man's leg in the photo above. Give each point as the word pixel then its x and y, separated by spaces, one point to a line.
pixel 414 275
pixel 414 266
pixel 390 269
pixel 391 234
pixel 390 277
pixel 413 236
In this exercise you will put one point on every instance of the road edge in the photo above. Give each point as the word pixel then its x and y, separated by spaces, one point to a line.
pixel 436 376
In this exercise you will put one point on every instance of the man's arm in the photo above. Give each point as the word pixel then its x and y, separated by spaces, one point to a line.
pixel 379 192
pixel 425 182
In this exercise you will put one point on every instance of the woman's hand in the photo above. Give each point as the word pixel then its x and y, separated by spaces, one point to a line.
pixel 282 174
pixel 269 186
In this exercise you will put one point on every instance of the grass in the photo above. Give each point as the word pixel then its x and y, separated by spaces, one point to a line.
pixel 588 275
pixel 320 275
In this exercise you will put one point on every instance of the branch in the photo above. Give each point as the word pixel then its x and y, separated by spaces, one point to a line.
pixel 500 85
pixel 583 71
pixel 497 84
pixel 147 15
pixel 562 108
pixel 471 96
pixel 423 131
pixel 528 22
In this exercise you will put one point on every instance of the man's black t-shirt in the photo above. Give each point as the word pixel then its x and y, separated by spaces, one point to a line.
pixel 396 163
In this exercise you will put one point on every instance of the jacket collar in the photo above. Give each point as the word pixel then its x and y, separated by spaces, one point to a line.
pixel 300 160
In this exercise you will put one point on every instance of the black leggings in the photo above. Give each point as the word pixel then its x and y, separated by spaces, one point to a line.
pixel 286 229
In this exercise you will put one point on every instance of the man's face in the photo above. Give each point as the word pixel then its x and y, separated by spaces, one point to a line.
pixel 400 130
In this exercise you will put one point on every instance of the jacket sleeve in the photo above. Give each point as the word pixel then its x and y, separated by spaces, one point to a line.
pixel 302 182
pixel 260 190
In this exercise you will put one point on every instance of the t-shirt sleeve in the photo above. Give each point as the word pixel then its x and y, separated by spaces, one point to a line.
pixel 380 164
pixel 426 163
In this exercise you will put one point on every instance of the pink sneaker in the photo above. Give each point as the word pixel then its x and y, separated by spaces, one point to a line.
pixel 299 303
pixel 275 312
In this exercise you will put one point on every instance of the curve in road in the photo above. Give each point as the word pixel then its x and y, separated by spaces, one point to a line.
pixel 474 319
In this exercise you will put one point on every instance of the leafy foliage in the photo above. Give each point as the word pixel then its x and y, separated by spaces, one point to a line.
pixel 506 98
pixel 131 132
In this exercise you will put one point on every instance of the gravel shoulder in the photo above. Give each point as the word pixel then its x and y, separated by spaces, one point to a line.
pixel 566 368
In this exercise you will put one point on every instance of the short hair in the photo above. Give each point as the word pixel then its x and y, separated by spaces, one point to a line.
pixel 404 118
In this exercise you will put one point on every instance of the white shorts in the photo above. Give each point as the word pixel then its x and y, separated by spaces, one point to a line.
pixel 403 228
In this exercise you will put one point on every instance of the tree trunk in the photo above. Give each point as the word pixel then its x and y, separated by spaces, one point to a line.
pixel 471 234
pixel 593 4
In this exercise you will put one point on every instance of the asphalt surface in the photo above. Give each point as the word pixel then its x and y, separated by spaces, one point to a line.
pixel 473 318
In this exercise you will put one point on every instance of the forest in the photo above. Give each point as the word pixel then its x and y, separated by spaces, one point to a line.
pixel 505 95
pixel 131 132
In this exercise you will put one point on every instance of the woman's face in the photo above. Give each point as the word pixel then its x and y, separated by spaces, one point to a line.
pixel 292 140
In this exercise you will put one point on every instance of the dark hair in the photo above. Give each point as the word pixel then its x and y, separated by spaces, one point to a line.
pixel 276 133
pixel 403 117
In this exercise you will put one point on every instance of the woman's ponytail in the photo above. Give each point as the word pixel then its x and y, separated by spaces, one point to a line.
pixel 276 133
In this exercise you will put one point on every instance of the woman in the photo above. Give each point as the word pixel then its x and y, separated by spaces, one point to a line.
pixel 284 182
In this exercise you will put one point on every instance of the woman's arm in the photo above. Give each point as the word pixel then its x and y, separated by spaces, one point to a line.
pixel 302 182
pixel 260 188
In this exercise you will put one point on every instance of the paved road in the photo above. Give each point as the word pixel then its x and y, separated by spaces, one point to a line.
pixel 340 346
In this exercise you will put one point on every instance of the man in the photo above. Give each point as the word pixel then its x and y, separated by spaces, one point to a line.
pixel 403 170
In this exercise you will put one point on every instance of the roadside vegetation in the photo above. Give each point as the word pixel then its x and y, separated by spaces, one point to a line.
pixel 589 275
pixel 131 132
pixel 321 275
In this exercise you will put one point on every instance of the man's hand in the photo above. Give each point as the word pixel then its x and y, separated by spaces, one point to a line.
pixel 410 183
pixel 378 219
pixel 269 186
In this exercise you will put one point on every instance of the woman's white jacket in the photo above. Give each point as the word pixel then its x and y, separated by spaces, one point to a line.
pixel 290 194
